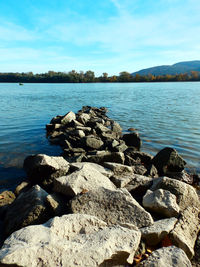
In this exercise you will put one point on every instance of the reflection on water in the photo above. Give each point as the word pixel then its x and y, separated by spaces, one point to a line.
pixel 165 114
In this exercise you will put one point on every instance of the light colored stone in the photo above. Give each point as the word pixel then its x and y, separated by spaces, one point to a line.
pixel 71 240
pixel 162 202
pixel 87 178
pixel 167 257
pixel 186 194
pixel 93 142
pixel 68 117
pixel 155 233
pixel 186 230
pixel 118 169
pixel 111 206
pixel 83 118
pixel 121 180
pixel 79 165
pixel 28 208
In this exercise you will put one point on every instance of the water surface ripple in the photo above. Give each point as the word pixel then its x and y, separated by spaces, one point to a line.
pixel 165 114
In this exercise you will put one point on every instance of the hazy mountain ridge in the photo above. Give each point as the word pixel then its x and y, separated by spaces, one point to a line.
pixel 177 68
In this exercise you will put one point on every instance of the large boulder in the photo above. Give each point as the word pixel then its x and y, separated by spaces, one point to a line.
pixel 168 160
pixel 111 206
pixel 71 240
pixel 167 257
pixel 28 208
pixel 85 179
pixel 42 169
pixel 186 195
pixel 162 202
pixel 68 117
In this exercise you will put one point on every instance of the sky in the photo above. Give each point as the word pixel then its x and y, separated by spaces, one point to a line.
pixel 99 35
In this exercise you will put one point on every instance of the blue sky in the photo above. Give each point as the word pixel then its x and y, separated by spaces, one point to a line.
pixel 103 35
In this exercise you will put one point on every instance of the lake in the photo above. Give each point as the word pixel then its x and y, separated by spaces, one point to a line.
pixel 165 114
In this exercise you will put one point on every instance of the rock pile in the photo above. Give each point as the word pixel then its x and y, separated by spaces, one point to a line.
pixel 104 203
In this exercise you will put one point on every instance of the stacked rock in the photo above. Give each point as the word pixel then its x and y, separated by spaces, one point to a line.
pixel 117 206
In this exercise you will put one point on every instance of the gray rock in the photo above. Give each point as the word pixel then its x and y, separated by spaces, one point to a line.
pixel 93 142
pixel 85 179
pixel 167 257
pixel 117 157
pixel 139 169
pixel 68 117
pixel 162 202
pixel 71 240
pixel 185 193
pixel 182 176
pixel 79 165
pixel 115 127
pixel 118 169
pixel 43 169
pixel 186 230
pixel 111 206
pixel 121 147
pixel 100 128
pixel 121 180
pixel 83 118
pixel 155 233
pixel 140 157
pixel 168 160
pixel 28 208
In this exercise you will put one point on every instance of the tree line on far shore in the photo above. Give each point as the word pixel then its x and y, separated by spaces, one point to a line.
pixel 89 77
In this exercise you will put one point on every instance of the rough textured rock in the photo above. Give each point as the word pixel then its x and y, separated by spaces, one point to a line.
pixel 182 176
pixel 118 169
pixel 68 117
pixel 93 142
pixel 85 179
pixel 138 186
pixel 121 180
pixel 155 233
pixel 140 157
pixel 79 165
pixel 186 230
pixel 167 257
pixel 71 240
pixel 132 139
pixel 117 157
pixel 6 197
pixel 186 194
pixel 168 160
pixel 28 208
pixel 111 206
pixel 162 202
pixel 43 169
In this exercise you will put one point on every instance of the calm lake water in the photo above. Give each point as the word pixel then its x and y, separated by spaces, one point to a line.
pixel 165 114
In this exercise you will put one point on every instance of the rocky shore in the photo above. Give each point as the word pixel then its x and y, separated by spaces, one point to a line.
pixel 102 203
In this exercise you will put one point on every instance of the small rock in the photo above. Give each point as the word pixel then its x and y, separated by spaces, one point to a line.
pixel 117 157
pixel 93 142
pixel 162 202
pixel 167 257
pixel 155 233
pixel 132 139
pixel 118 169
pixel 68 117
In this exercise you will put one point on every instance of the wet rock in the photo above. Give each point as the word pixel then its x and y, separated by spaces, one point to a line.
pixel 42 169
pixel 71 240
pixel 105 156
pixel 132 139
pixel 186 230
pixel 168 160
pixel 162 202
pixel 85 179
pixel 186 195
pixel 111 206
pixel 167 257
pixel 155 233
pixel 28 208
